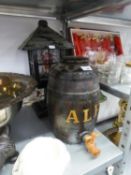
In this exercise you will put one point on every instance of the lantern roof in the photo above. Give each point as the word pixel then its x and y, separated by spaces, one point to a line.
pixel 43 37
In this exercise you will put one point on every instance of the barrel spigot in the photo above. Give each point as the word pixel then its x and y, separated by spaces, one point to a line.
pixel 89 141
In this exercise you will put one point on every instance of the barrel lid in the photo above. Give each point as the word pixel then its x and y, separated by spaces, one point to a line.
pixel 75 59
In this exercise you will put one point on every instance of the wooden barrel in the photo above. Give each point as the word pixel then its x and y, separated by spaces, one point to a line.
pixel 73 98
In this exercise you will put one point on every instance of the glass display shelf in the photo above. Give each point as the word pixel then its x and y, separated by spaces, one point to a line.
pixel 26 126
pixel 119 90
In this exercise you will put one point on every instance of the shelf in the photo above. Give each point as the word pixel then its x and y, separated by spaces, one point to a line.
pixel 58 8
pixel 119 90
pixel 26 126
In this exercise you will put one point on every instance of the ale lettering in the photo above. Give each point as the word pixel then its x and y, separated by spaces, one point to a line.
pixel 72 116
pixel 87 118
pixel 96 110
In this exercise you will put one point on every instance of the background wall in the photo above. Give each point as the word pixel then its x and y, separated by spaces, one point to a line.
pixel 13 31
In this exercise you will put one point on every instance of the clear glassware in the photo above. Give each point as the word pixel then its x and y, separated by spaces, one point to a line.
pixel 115 72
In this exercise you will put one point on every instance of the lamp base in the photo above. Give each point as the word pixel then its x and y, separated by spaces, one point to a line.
pixel 40 108
pixel 8 153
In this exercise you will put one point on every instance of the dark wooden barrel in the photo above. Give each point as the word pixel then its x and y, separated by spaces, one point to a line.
pixel 73 98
